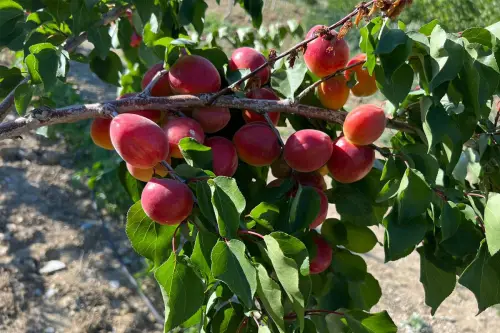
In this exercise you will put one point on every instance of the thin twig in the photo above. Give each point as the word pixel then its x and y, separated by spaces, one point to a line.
pixel 147 91
pixel 242 324
pixel 174 246
pixel 284 54
pixel 470 194
pixel 293 315
pixel 172 172
pixel 249 232
pixel 275 130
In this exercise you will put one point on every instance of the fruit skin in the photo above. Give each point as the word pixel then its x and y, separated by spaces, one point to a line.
pixel 366 85
pixel 99 132
pixel 246 57
pixel 162 86
pixel 212 119
pixel 154 115
pixel 350 163
pixel 167 201
pixel 179 128
pixel 192 74
pixel 365 124
pixel 333 93
pixel 145 175
pixel 325 54
pixel 280 169
pixel 138 140
pixel 313 179
pixel 256 144
pixel 323 171
pixel 225 158
pixel 323 257
pixel 135 39
pixel 307 150
pixel 261 93
pixel 323 209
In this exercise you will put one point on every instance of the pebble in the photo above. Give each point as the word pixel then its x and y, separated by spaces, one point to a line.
pixel 50 292
pixel 50 157
pixel 49 330
pixel 114 284
pixel 52 266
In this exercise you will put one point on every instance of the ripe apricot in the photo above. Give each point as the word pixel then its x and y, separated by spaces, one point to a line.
pixel 248 58
pixel 323 209
pixel 167 201
pixel 323 257
pixel 307 150
pixel 326 54
pixel 257 144
pixel 350 163
pixel 224 156
pixel 154 115
pixel 145 175
pixel 261 93
pixel 162 86
pixel 138 140
pixel 313 179
pixel 180 128
pixel 366 85
pixel 364 124
pixel 280 169
pixel 99 132
pixel 135 40
pixel 333 93
pixel 212 119
pixel 192 74
pixel 323 171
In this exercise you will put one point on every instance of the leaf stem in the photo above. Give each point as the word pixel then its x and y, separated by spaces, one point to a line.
pixel 249 232
pixel 174 246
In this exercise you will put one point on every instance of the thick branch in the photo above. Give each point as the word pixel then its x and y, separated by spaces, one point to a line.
pixel 43 116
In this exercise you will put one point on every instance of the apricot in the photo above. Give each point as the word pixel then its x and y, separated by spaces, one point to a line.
pixel 323 171
pixel 167 201
pixel 323 209
pixel 138 140
pixel 180 128
pixel 224 156
pixel 323 257
pixel 154 115
pixel 135 40
pixel 257 144
pixel 365 124
pixel 212 119
pixel 145 175
pixel 162 86
pixel 307 150
pixel 366 85
pixel 99 132
pixel 350 163
pixel 326 54
pixel 248 58
pixel 333 93
pixel 261 93
pixel 280 169
pixel 313 179
pixel 192 74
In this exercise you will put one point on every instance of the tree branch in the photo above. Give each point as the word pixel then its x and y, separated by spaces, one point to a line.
pixel 44 116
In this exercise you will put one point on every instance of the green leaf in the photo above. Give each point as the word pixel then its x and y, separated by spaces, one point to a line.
pixel 228 204
pixel 231 266
pixel 290 260
pixel 449 54
pixel 393 49
pixel 492 222
pixel 10 13
pixel 450 220
pixel 182 289
pixel 9 79
pixel 265 214
pixel 132 186
pixel 304 209
pixel 438 283
pixel 367 42
pixel 269 293
pixel 398 86
pixel 363 322
pixel 59 8
pixel 148 238
pixel 227 319
pixel 205 242
pixel 108 69
pixel 46 63
pixel 465 241
pixel 204 196
pixel 482 277
pixel 349 265
pixel 254 8
pixel 188 172
pixel 22 98
pixel 91 3
pixel 366 293
pixel 479 35
pixel 196 154
pixel 426 29
pixel 193 12
pixel 101 39
pixel 287 80
pixel 355 238
pixel 414 196
pixel 216 56
pixel 81 16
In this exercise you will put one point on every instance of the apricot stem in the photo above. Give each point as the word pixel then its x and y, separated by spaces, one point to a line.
pixel 275 130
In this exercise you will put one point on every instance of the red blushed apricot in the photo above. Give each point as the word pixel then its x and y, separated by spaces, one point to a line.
pixel 280 169
pixel 135 39
pixel 323 257
pixel 145 175
pixel 179 128
pixel 224 156
pixel 364 124
pixel 313 179
pixel 248 58
pixel 307 150
pixel 333 93
pixel 167 201
pixel 162 86
pixel 350 163
pixel 256 144
pixel 138 140
pixel 261 93
pixel 192 74
pixel 212 119
pixel 326 54
pixel 323 209
pixel 154 115
pixel 366 85
pixel 99 132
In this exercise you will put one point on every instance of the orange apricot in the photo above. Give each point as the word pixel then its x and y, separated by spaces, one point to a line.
pixel 364 124
pixel 192 74
pixel 333 93
pixel 224 156
pixel 99 132
pixel 367 84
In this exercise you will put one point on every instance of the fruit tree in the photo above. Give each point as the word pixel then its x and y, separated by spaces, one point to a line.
pixel 233 249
